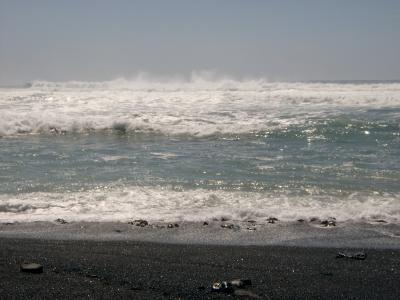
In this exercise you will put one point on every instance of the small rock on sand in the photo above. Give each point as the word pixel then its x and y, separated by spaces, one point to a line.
pixel 140 223
pixel 61 221
pixel 272 220
pixel 314 219
pixel 31 268
pixel 356 256
pixel 222 287
pixel 329 222
pixel 229 287
pixel 230 226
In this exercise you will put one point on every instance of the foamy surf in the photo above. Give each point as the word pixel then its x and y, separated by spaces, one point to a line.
pixel 158 204
pixel 195 108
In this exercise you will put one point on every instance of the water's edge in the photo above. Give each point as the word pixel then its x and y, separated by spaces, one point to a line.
pixel 301 234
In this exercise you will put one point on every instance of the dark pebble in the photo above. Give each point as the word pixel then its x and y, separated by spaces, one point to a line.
pixel 140 223
pixel 229 226
pixel 356 256
pixel 272 220
pixel 328 223
pixel 61 221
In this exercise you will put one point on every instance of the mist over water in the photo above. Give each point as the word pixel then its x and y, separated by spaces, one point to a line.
pixel 200 149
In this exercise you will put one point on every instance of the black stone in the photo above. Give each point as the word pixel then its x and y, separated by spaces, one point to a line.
pixel 272 220
pixel 61 221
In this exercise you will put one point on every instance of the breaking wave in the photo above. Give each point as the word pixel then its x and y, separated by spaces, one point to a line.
pixel 167 204
pixel 197 107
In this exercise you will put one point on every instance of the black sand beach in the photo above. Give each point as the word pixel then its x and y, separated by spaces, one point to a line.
pixel 143 270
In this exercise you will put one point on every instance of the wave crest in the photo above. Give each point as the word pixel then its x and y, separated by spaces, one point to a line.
pixel 167 204
pixel 198 107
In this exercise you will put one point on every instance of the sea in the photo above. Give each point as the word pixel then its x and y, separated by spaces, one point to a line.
pixel 197 150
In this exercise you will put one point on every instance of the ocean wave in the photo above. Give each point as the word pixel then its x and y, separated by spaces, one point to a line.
pixel 195 108
pixel 207 81
pixel 167 204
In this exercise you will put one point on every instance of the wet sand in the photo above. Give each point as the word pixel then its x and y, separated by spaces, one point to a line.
pixel 145 270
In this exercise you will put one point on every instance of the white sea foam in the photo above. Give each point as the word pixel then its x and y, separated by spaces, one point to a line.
pixel 113 157
pixel 166 204
pixel 197 107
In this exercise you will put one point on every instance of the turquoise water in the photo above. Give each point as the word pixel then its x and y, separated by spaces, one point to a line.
pixel 345 160
pixel 323 161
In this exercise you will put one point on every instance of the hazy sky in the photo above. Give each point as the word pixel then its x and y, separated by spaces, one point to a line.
pixel 279 40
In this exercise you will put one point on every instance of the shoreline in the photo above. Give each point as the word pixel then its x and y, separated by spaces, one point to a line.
pixel 226 232
pixel 145 270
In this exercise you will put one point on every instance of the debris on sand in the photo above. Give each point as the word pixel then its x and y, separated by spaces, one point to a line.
pixel 61 221
pixel 31 268
pixel 222 287
pixel 251 228
pixel 330 222
pixel 230 287
pixel 140 223
pixel 173 225
pixel 230 226
pixel 314 219
pixel 205 223
pixel 380 221
pixel 357 255
pixel 272 220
